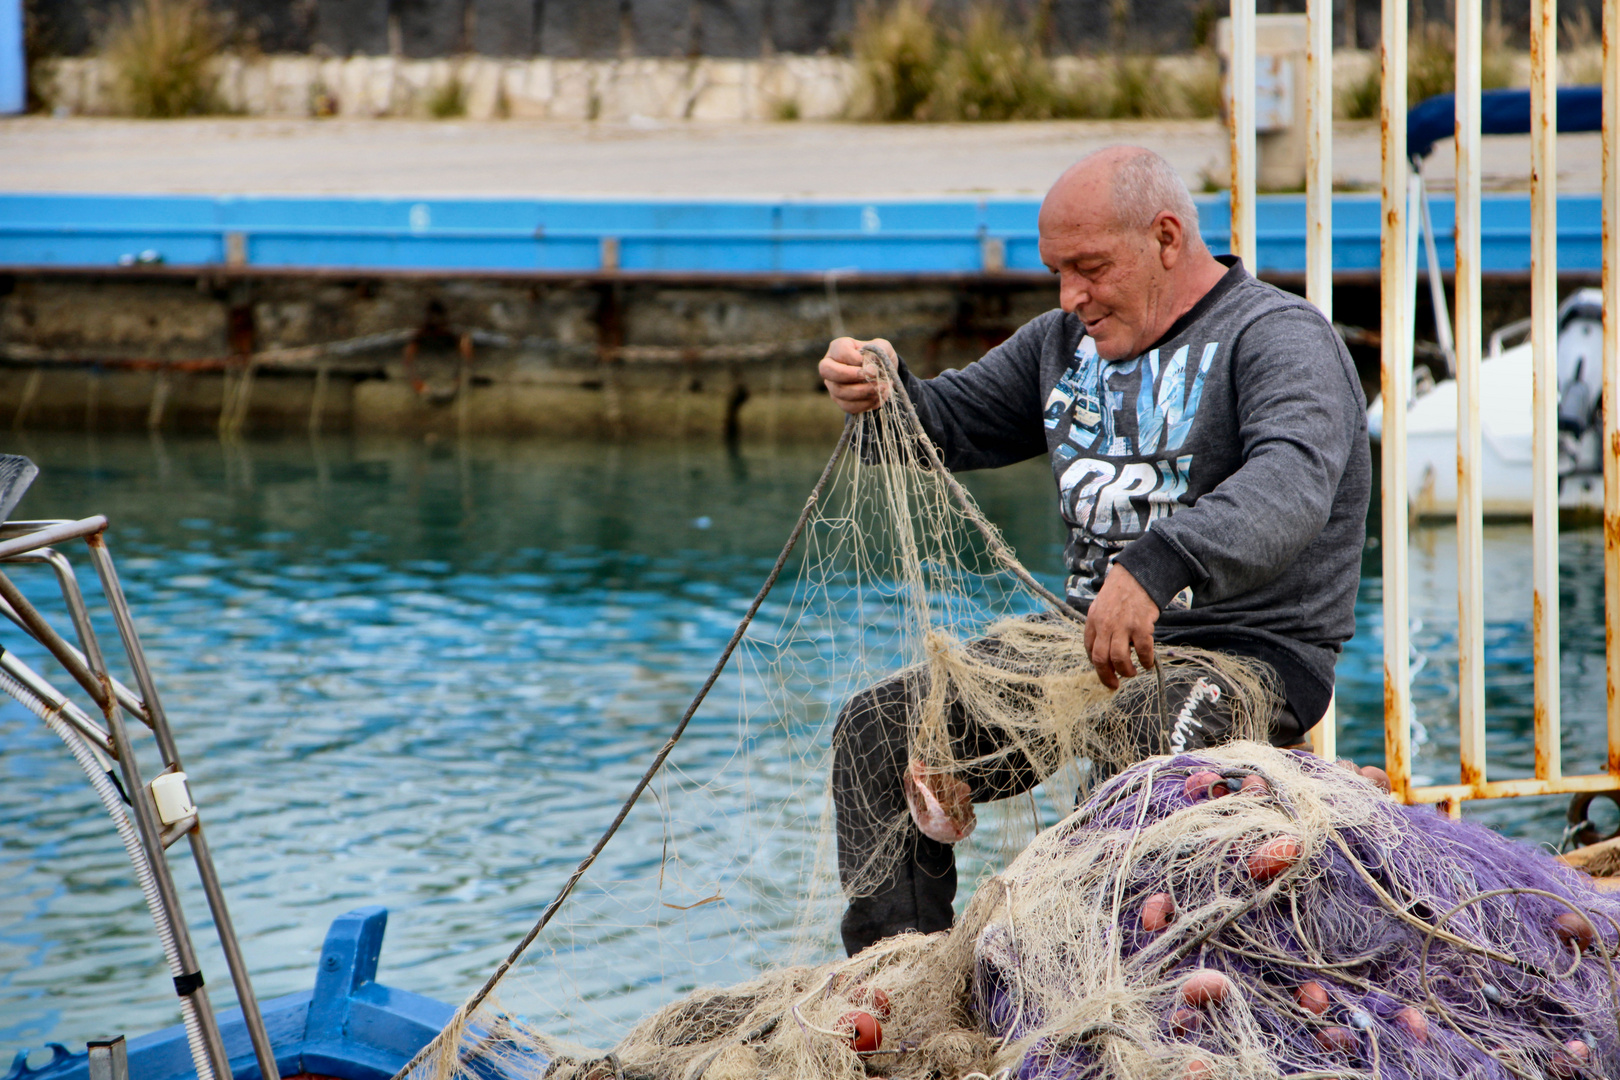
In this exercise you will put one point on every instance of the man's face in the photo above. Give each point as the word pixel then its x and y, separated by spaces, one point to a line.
pixel 1111 278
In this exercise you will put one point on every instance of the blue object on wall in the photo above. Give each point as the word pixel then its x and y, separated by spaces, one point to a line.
pixel 942 236
pixel 13 65
pixel 1502 112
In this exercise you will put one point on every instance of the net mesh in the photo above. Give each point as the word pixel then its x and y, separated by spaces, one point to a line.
pixel 1243 912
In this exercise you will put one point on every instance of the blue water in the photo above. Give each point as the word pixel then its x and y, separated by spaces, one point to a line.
pixel 425 675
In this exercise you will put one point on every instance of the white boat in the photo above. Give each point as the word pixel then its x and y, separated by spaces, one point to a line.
pixel 1505 392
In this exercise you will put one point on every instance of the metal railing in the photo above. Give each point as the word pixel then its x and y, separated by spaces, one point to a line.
pixel 1400 200
pixel 107 745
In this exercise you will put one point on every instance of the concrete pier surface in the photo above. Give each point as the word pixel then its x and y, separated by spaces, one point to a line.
pixel 681 160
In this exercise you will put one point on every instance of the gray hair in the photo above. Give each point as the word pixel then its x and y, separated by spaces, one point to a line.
pixel 1146 186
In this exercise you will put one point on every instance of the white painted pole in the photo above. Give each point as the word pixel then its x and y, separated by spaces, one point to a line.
pixel 1470 349
pixel 1319 223
pixel 1395 358
pixel 1319 154
pixel 1437 284
pixel 1414 244
pixel 1611 365
pixel 1544 363
pixel 1241 113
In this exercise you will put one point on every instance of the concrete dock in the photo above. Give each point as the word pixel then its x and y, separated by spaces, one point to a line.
pixel 693 160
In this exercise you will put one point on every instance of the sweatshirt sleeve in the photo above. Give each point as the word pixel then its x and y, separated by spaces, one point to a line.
pixel 988 414
pixel 1296 409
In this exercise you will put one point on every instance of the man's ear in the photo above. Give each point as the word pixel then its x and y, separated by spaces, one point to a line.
pixel 1168 236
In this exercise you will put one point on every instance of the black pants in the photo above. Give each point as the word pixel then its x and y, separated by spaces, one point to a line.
pixel 913 888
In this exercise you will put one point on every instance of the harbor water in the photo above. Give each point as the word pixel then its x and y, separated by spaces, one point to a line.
pixel 424 675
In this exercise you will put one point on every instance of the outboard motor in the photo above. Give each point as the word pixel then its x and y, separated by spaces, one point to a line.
pixel 1580 382
pixel 16 473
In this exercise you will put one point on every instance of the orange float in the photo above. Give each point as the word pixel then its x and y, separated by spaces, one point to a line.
pixel 1273 857
pixel 1158 912
pixel 1313 998
pixel 1205 987
pixel 865 1033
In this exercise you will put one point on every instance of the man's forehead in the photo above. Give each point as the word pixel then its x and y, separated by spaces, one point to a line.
pixel 1075 211
pixel 1080 236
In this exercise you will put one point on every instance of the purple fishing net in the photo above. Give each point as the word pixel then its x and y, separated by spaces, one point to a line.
pixel 1396 943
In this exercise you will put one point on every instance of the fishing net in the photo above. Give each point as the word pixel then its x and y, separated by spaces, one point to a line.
pixel 1241 912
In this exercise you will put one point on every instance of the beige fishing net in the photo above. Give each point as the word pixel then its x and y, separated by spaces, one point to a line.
pixel 1247 912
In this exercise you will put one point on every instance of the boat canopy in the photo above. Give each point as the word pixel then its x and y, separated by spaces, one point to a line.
pixel 1502 112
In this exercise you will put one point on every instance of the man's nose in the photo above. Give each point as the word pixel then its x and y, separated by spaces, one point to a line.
pixel 1072 292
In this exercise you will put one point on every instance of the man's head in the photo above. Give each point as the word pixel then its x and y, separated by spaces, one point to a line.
pixel 1121 232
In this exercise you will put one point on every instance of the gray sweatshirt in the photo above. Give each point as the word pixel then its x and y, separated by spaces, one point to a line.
pixel 1227 468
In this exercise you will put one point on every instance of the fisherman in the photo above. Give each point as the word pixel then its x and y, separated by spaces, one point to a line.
pixel 1208 435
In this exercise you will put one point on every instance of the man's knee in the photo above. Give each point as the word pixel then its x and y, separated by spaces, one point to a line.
pixel 875 717
pixel 1195 706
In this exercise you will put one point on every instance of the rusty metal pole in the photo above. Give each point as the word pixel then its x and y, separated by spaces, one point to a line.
pixel 1319 222
pixel 1241 117
pixel 1611 368
pixel 123 619
pixel 1395 361
pixel 1544 363
pixel 1319 154
pixel 1470 350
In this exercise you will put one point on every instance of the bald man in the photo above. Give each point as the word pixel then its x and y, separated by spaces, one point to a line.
pixel 1208 436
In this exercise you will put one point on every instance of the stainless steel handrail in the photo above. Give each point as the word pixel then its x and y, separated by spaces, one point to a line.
pixel 32 543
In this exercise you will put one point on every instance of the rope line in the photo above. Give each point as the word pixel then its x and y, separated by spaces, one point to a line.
pixel 471 1005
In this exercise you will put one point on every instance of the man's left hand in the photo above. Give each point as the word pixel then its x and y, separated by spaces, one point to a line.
pixel 1121 619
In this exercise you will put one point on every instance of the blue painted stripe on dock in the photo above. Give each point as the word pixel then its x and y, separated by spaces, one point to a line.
pixel 923 236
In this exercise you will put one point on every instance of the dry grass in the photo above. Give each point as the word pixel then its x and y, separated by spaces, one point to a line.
pixel 1359 99
pixel 1431 69
pixel 913 69
pixel 897 51
pixel 161 53
pixel 1581 51
pixel 448 100
pixel 1132 87
pixel 992 72
pixel 37 53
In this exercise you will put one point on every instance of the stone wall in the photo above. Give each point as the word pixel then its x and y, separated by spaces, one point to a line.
pixel 807 87
pixel 604 29
pixel 610 355
pixel 602 355
pixel 779 88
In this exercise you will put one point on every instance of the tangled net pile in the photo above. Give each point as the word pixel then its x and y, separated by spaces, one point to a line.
pixel 1241 913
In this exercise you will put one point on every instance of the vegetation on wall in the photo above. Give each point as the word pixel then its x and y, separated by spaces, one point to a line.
pixel 897 51
pixel 913 68
pixel 161 53
pixel 1431 68
pixel 448 100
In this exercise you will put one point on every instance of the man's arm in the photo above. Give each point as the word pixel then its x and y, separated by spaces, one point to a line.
pixel 982 416
pixel 1297 407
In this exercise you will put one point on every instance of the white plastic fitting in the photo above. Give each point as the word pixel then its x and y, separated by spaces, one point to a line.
pixel 172 797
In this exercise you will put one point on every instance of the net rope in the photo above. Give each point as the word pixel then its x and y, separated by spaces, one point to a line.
pixel 1245 912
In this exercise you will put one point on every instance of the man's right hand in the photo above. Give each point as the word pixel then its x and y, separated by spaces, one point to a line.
pixel 940 804
pixel 854 381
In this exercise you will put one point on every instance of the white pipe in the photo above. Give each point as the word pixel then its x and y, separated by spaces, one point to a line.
pixel 1241 115
pixel 1395 361
pixel 1611 367
pixel 1414 242
pixel 1470 328
pixel 1544 364
pixel 1319 224
pixel 1319 155
pixel 1437 283
pixel 108 793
